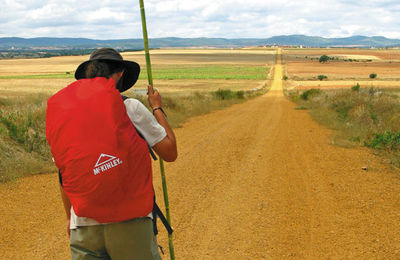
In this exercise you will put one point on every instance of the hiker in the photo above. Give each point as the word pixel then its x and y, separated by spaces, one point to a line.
pixel 100 142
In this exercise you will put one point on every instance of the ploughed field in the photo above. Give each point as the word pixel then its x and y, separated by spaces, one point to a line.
pixel 346 68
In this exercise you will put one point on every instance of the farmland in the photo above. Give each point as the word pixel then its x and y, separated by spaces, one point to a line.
pixel 184 70
pixel 347 67
pixel 256 180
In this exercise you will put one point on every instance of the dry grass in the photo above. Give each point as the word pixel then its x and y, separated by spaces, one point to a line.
pixel 22 136
pixel 178 86
pixel 367 117
pixel 18 87
pixel 13 87
pixel 339 84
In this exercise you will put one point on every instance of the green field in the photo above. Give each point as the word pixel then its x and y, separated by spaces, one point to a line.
pixel 178 72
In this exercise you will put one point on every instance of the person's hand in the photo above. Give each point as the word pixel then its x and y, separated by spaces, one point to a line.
pixel 68 229
pixel 153 97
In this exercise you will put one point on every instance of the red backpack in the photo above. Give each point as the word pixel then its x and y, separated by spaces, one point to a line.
pixel 105 165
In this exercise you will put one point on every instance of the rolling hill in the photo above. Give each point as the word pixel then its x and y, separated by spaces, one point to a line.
pixel 45 43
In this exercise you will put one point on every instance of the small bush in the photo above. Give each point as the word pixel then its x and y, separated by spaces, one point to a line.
pixel 372 75
pixel 239 94
pixel 356 87
pixel 322 77
pixel 387 140
pixel 343 112
pixel 285 77
pixel 323 58
pixel 224 94
pixel 342 107
pixel 310 93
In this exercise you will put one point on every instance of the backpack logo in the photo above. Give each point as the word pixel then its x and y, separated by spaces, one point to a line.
pixel 105 162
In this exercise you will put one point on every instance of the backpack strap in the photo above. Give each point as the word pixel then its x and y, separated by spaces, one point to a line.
pixel 156 210
pixel 60 178
pixel 158 213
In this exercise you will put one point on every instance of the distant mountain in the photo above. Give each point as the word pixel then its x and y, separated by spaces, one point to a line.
pixel 44 43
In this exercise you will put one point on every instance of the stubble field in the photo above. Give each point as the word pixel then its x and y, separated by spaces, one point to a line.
pixel 348 67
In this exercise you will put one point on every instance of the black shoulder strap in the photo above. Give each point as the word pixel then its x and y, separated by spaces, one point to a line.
pixel 60 178
pixel 158 213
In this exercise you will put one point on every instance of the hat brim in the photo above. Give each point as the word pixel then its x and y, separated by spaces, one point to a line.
pixel 129 78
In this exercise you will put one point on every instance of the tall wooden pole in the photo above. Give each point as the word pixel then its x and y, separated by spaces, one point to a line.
pixel 150 80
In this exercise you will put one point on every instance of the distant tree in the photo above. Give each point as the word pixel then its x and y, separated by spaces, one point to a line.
pixel 323 58
pixel 322 77
pixel 372 75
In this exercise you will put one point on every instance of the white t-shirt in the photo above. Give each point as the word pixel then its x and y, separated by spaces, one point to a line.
pixel 151 130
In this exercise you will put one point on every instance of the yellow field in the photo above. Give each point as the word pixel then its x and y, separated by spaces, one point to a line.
pixel 160 59
pixel 40 66
pixel 355 56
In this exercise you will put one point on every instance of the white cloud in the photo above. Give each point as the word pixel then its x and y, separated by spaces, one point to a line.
pixel 116 19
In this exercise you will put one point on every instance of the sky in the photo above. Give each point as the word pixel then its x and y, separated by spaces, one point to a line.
pixel 120 19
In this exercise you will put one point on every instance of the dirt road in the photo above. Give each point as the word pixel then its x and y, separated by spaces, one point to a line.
pixel 258 180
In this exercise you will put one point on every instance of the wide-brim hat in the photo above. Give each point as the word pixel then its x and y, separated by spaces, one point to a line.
pixel 131 72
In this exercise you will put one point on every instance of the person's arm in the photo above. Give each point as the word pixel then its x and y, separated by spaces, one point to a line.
pixel 67 207
pixel 166 148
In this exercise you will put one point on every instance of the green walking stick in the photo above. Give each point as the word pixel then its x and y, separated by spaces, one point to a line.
pixel 150 80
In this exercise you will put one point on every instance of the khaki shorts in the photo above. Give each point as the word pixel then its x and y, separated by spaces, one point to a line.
pixel 133 239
